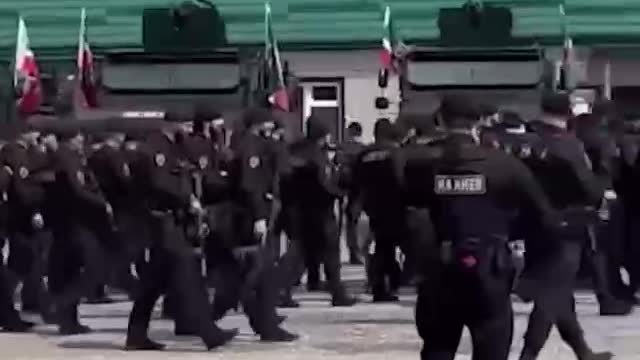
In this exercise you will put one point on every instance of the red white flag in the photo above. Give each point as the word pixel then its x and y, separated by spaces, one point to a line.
pixel 86 76
pixel 387 54
pixel 280 95
pixel 26 76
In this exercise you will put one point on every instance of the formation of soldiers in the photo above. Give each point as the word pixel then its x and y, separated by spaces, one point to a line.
pixel 173 207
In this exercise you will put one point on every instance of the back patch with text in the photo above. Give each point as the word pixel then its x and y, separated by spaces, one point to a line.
pixel 460 185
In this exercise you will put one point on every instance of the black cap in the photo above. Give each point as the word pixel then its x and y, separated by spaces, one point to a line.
pixel 511 119
pixel 556 103
pixel 459 111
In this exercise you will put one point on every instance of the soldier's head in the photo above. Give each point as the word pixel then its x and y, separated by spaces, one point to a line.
pixel 511 122
pixel 459 113
pixel 556 108
pixel 489 114
pixel 206 119
pixel 259 121
pixel 354 131
pixel 318 130
pixel 384 131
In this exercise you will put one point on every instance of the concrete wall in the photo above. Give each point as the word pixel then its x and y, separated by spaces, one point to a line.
pixel 359 69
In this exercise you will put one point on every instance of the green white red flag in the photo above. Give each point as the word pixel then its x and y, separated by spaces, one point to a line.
pixel 279 97
pixel 26 75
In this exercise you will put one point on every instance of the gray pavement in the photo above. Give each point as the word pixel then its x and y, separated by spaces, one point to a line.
pixel 366 331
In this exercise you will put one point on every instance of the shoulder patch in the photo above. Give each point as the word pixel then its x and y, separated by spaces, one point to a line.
pixel 159 159
pixel 254 162
pixel 460 185
pixel 377 155
pixel 23 172
pixel 203 162
pixel 525 151
pixel 80 176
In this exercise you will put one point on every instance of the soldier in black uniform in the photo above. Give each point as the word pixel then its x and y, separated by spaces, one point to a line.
pixel 605 253
pixel 9 317
pixel 378 178
pixel 314 188
pixel 77 259
pixel 475 191
pixel 248 272
pixel 28 164
pixel 170 199
pixel 553 256
pixel 112 167
pixel 347 153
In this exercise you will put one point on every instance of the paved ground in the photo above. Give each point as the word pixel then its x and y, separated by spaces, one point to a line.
pixel 366 331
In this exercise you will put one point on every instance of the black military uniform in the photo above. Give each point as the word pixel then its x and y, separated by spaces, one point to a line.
pixel 553 257
pixel 378 176
pixel 247 273
pixel 171 266
pixel 347 154
pixel 9 317
pixel 28 164
pixel 110 162
pixel 314 189
pixel 475 192
pixel 77 259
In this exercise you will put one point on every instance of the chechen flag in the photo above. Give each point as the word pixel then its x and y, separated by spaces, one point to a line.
pixel 387 57
pixel 86 77
pixel 280 96
pixel 26 76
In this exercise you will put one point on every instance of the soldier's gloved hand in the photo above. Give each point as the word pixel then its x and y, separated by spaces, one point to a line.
pixel 109 210
pixel 260 228
pixel 195 206
pixel 37 221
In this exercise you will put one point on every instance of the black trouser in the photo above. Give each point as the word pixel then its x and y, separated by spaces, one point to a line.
pixel 28 249
pixel 77 265
pixel 250 278
pixel 451 299
pixel 171 267
pixel 352 218
pixel 554 303
pixel 389 229
pixel 313 230
pixel 8 313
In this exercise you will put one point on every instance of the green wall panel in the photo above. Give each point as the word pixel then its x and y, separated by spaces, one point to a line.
pixel 54 24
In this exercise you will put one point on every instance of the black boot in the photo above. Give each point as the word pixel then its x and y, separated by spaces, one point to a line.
pixel 278 334
pixel 224 337
pixel 143 345
pixel 614 307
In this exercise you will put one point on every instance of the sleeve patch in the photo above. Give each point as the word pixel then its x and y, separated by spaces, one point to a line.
pixel 159 159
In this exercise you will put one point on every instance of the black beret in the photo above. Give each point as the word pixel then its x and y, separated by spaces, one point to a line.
pixel 511 119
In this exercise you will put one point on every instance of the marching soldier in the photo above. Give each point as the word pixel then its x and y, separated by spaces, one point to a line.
pixel 379 178
pixel 313 223
pixel 474 191
pixel 171 266
pixel 254 172
pixel 564 171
